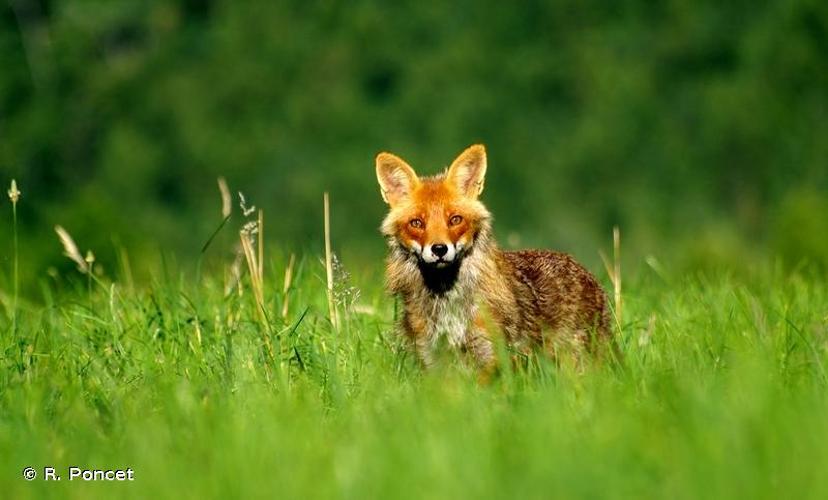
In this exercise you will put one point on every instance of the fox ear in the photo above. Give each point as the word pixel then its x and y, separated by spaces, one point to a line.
pixel 396 178
pixel 468 171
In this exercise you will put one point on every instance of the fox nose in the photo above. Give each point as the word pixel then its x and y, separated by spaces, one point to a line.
pixel 439 249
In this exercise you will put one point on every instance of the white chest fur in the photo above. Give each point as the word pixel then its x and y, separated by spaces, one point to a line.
pixel 451 315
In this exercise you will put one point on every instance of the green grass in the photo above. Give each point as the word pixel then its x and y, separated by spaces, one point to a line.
pixel 722 394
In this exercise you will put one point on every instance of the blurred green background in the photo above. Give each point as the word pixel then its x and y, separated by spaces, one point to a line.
pixel 700 128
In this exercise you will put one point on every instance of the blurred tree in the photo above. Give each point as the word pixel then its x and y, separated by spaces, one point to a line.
pixel 669 118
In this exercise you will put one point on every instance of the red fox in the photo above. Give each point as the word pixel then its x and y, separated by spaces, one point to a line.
pixel 455 282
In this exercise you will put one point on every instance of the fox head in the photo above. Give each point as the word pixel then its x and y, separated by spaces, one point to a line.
pixel 438 219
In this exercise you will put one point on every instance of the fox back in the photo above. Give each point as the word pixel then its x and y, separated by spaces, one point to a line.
pixel 454 281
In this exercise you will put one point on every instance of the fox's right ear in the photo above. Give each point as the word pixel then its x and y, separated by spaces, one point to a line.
pixel 396 178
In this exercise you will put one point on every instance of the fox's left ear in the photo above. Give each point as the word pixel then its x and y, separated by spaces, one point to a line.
pixel 468 171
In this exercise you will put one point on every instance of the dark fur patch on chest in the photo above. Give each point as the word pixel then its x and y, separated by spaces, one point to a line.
pixel 439 280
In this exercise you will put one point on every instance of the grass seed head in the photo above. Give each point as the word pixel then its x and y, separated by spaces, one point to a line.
pixel 14 193
pixel 246 211
pixel 344 292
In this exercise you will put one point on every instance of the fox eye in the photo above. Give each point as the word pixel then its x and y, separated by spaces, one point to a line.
pixel 455 219
pixel 417 223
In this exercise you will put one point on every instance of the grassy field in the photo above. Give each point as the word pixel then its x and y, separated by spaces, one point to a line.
pixel 722 394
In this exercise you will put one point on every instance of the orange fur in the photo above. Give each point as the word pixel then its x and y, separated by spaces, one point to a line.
pixel 447 269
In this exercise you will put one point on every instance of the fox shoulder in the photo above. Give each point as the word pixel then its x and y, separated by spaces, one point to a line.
pixel 546 264
pixel 555 278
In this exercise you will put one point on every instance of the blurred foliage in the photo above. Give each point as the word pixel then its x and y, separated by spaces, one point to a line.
pixel 699 127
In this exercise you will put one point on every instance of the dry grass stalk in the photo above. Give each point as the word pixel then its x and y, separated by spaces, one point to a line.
pixel 14 196
pixel 616 255
pixel 329 264
pixel 257 284
pixel 226 199
pixel 260 268
pixel 253 268
pixel 614 271
pixel 70 249
pixel 288 281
